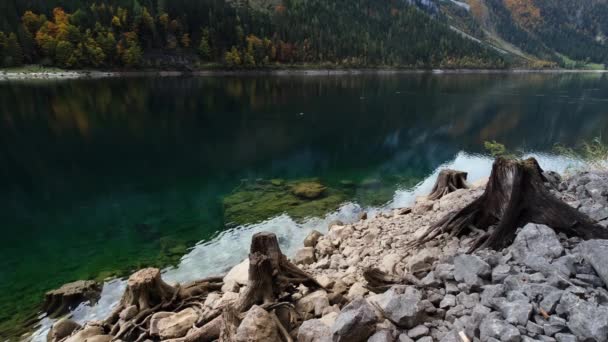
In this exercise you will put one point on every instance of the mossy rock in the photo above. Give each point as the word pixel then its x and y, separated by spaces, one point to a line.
pixel 277 182
pixel 253 203
pixel 308 190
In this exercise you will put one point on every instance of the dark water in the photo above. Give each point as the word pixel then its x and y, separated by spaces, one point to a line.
pixel 99 177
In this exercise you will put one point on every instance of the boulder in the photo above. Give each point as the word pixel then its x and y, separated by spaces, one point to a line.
pixel 257 326
pixel 338 233
pixel 239 273
pixel 357 290
pixel 493 328
pixel 312 238
pixel 536 240
pixel 586 320
pixel 305 256
pixel 471 269
pixel 177 324
pixel 595 252
pixel 314 330
pixel 60 301
pixel 61 329
pixel 402 305
pixel 313 303
pixel 355 323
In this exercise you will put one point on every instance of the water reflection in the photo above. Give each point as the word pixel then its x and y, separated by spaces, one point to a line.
pixel 100 175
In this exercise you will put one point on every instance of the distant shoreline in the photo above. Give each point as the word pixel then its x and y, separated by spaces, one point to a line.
pixel 93 74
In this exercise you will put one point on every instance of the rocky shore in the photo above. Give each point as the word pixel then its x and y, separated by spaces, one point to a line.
pixel 365 282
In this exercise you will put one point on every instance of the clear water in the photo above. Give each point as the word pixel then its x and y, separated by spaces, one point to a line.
pixel 100 177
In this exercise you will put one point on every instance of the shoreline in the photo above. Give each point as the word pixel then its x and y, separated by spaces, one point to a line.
pixel 7 75
pixel 485 293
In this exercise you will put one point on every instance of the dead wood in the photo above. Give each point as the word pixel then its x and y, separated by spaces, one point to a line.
pixel 448 181
pixel 515 195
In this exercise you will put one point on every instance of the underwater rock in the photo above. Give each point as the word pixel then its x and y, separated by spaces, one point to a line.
pixel 308 190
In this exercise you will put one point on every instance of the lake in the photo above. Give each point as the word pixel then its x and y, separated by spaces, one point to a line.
pixel 101 177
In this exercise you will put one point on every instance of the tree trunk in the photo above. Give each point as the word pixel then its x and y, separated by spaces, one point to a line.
pixel 448 181
pixel 515 195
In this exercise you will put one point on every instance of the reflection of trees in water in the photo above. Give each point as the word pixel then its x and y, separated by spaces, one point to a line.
pixel 212 124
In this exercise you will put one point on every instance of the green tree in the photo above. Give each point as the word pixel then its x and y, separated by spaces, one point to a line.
pixel 204 50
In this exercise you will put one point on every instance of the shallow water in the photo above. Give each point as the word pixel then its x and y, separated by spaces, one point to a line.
pixel 100 177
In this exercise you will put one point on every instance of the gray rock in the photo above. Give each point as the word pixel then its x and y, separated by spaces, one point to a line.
pixel 586 320
pixel 534 329
pixel 418 331
pixel 177 324
pixel 561 337
pixel 471 269
pixel 430 280
pixel 355 323
pixel 447 301
pixel 555 325
pixel 402 305
pixel 500 272
pixel 444 271
pixel 516 312
pixel 452 336
pixel 536 245
pixel 381 336
pixel 468 300
pixel 550 301
pixel 314 331
pixel 425 339
pixel 404 338
pixel 565 265
pixel 491 291
pixel 596 253
pixel 498 329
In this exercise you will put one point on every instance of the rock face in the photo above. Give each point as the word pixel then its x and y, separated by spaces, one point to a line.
pixel 596 253
pixel 401 305
pixel 355 323
pixel 257 326
pixel 60 301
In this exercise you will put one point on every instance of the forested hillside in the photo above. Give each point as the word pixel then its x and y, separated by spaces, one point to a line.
pixel 568 33
pixel 240 34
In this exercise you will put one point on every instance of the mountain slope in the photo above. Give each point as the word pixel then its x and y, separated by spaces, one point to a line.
pixel 564 32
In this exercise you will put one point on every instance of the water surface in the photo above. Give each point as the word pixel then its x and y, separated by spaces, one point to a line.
pixel 100 177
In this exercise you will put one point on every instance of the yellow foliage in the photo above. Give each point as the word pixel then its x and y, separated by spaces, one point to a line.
pixel 524 12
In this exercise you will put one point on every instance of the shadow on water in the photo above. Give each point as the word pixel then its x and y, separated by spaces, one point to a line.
pixel 99 177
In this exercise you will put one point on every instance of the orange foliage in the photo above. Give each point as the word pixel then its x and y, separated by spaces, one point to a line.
pixel 524 12
pixel 280 9
pixel 476 8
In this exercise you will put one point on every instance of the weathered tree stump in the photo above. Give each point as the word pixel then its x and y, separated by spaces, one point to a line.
pixel 448 181
pixel 60 301
pixel 514 196
pixel 271 275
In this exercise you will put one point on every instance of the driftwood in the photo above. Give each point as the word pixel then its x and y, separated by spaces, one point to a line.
pixel 515 195
pixel 448 181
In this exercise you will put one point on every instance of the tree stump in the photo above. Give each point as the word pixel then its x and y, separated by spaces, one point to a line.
pixel 60 301
pixel 514 196
pixel 448 181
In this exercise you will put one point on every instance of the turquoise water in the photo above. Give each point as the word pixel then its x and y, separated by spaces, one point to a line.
pixel 100 177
